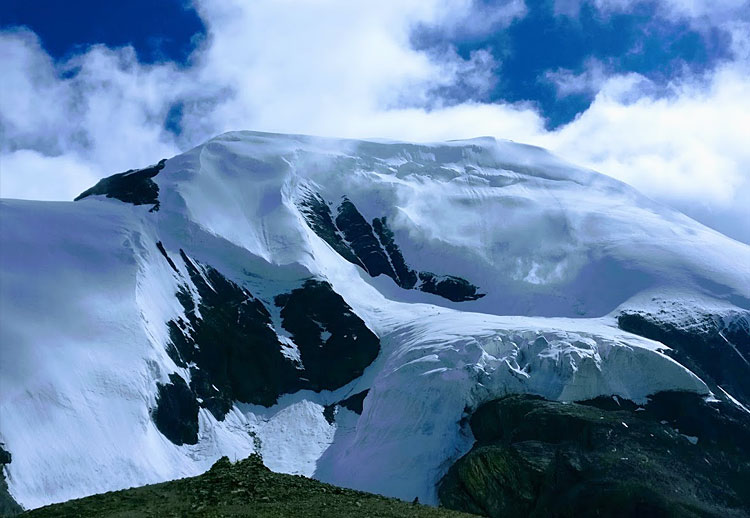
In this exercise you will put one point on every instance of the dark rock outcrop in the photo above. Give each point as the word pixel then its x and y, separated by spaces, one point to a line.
pixel 235 353
pixel 406 277
pixel 716 348
pixel 133 186
pixel 229 345
pixel 676 456
pixel 373 248
pixel 363 242
pixel 318 216
pixel 5 456
pixel 163 252
pixel 354 403
pixel 449 287
pixel 8 506
pixel 176 412
pixel 334 344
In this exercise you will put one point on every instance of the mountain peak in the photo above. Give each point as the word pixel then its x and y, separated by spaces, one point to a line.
pixel 285 277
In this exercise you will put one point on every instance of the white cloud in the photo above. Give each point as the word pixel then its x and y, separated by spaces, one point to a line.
pixel 688 148
pixel 107 115
pixel 474 17
pixel 341 68
pixel 567 82
pixel 44 177
pixel 690 144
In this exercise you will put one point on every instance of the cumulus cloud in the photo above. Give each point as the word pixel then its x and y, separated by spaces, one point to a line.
pixel 350 69
pixel 687 148
pixel 66 125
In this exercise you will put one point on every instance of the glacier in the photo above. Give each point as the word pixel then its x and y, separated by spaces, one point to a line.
pixel 483 268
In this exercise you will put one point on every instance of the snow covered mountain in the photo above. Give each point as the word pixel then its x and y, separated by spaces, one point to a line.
pixel 341 307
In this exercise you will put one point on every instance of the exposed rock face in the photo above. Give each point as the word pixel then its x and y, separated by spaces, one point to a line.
pixel 5 456
pixel 8 506
pixel 448 286
pixel 176 412
pixel 334 344
pixel 365 245
pixel 373 248
pixel 232 352
pixel 133 186
pixel 354 403
pixel 716 348
pixel 318 216
pixel 406 277
pixel 676 456
pixel 231 347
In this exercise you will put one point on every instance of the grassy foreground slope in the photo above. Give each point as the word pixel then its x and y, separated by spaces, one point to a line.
pixel 244 489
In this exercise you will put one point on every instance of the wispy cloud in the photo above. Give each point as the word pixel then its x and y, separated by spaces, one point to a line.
pixel 712 11
pixel 589 81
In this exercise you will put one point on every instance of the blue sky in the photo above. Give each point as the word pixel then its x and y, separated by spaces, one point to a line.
pixel 648 91
pixel 158 30
pixel 634 41
pixel 534 44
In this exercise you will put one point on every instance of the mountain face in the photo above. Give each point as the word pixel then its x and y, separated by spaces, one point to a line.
pixel 358 312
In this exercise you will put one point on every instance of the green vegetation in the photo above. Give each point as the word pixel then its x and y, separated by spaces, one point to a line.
pixel 244 489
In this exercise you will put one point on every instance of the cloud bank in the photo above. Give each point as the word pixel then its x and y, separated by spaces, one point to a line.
pixel 349 69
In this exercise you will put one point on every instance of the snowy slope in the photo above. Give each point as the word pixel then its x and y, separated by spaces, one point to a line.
pixel 502 269
pixel 549 238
